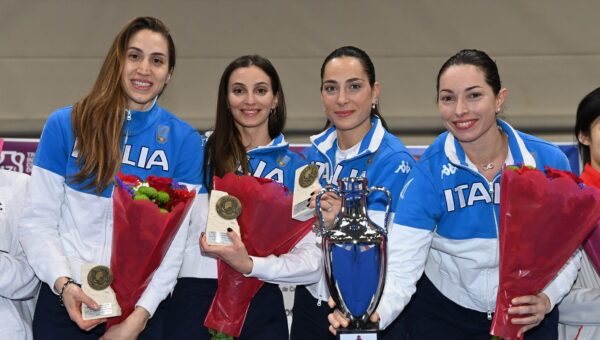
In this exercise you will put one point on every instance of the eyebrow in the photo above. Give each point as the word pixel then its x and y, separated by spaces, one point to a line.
pixel 242 84
pixel 347 81
pixel 140 50
pixel 467 89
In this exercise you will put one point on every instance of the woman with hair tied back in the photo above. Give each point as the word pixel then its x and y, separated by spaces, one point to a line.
pixel 68 220
pixel 446 225
pixel 579 315
pixel 247 139
pixel 355 142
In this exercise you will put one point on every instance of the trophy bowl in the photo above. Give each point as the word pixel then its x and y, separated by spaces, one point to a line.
pixel 355 259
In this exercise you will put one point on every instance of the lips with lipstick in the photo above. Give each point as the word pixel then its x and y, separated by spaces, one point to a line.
pixel 344 113
pixel 250 112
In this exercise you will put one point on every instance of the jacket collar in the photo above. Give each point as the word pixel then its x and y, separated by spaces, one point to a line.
pixel 326 141
pixel 138 121
pixel 277 143
pixel 517 151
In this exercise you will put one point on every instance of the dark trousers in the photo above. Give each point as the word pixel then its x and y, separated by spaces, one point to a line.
pixel 191 300
pixel 309 321
pixel 51 322
pixel 431 315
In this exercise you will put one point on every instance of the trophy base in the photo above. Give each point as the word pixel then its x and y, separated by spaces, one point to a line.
pixel 357 334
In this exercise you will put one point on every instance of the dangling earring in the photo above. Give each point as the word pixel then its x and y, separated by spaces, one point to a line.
pixel 272 113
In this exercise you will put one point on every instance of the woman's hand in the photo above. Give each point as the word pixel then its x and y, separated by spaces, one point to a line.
pixel 533 307
pixel 235 255
pixel 331 204
pixel 130 328
pixel 338 320
pixel 73 296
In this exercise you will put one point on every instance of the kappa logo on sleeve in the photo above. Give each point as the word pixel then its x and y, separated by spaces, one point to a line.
pixel 448 170
pixel 403 168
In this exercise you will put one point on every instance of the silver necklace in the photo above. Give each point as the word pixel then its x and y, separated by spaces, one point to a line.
pixel 488 166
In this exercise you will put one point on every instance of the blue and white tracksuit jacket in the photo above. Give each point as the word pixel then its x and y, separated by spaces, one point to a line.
pixel 18 283
pixel 66 225
pixel 301 265
pixel 381 158
pixel 447 224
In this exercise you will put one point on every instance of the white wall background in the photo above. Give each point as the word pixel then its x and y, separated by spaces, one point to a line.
pixel 548 53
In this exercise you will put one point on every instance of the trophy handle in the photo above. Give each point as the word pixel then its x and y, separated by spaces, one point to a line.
pixel 388 205
pixel 328 188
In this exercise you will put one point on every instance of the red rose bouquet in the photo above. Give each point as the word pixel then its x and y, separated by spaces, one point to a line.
pixel 266 228
pixel 147 216
pixel 543 219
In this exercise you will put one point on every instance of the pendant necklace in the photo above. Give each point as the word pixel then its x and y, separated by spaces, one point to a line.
pixel 488 166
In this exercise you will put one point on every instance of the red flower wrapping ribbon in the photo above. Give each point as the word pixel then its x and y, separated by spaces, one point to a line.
pixel 142 234
pixel 266 228
pixel 543 219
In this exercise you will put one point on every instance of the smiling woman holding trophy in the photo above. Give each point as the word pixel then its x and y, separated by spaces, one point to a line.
pixel 447 220
pixel 355 143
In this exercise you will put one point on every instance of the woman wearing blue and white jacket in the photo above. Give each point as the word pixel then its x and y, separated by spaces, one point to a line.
pixel 68 220
pixel 355 143
pixel 247 139
pixel 447 220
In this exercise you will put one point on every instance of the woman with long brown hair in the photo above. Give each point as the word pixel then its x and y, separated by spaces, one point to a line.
pixel 68 222
pixel 247 139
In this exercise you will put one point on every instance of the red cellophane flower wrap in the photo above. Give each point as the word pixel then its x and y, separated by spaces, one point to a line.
pixel 543 219
pixel 591 177
pixel 142 234
pixel 266 228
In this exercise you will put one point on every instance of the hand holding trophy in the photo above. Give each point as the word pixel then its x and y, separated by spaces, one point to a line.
pixel 355 257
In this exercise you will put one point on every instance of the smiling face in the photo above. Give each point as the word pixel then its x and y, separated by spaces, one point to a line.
pixel 347 95
pixel 145 69
pixel 468 105
pixel 251 98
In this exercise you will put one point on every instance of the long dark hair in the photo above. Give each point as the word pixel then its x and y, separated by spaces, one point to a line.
pixel 368 67
pixel 224 150
pixel 588 111
pixel 97 120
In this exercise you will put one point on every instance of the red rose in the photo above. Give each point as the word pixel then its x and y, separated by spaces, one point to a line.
pixel 129 179
pixel 160 183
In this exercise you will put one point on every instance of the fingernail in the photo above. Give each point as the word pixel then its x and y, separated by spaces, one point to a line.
pixel 201 234
pixel 229 230
pixel 312 193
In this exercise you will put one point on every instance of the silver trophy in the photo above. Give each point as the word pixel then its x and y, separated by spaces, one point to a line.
pixel 355 256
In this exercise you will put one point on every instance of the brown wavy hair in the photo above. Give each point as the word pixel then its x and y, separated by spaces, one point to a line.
pixel 224 150
pixel 97 120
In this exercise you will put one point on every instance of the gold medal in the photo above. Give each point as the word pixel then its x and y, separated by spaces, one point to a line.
pixel 229 207
pixel 99 277
pixel 308 175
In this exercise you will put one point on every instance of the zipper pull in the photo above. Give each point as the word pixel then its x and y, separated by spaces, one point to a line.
pixel 129 115
pixel 319 303
pixel 489 315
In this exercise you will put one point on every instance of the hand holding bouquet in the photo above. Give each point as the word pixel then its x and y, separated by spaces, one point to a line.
pixel 147 216
pixel 543 219
pixel 266 228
